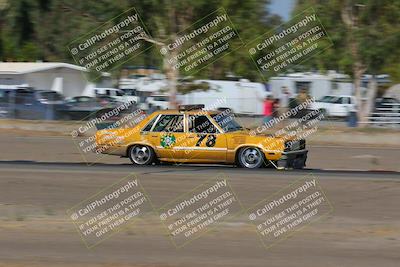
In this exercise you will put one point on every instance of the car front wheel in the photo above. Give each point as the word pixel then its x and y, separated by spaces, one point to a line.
pixel 141 155
pixel 250 157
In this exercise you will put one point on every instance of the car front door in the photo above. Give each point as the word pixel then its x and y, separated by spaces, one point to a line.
pixel 337 107
pixel 342 107
pixel 348 105
pixel 204 140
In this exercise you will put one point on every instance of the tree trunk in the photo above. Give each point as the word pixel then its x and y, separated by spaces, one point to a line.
pixel 357 93
pixel 172 74
pixel 372 89
pixel 358 67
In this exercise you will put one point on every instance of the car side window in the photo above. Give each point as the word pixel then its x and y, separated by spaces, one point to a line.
pixel 169 123
pixel 201 124
pixel 346 100
pixel 338 100
pixel 150 124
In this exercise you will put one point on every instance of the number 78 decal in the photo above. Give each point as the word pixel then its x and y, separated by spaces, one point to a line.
pixel 211 139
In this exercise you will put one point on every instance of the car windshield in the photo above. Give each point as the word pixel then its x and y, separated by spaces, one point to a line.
pixel 327 99
pixel 85 99
pixel 52 96
pixel 161 98
pixel 82 100
pixel 120 93
pixel 105 98
pixel 336 100
pixel 129 92
pixel 226 121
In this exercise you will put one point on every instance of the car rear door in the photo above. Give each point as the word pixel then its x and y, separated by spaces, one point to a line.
pixel 167 134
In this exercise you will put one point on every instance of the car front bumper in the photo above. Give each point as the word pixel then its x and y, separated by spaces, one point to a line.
pixel 295 159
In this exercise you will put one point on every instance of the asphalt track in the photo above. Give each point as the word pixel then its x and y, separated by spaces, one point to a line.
pixel 63 150
pixel 205 169
pixel 362 230
pixel 42 177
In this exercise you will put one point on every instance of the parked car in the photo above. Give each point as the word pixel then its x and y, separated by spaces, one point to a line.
pixel 80 107
pixel 335 105
pixel 158 101
pixel 35 104
pixel 108 104
pixel 4 103
pixel 108 101
pixel 82 102
pixel 117 94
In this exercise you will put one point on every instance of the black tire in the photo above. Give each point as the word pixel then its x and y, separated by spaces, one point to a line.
pixel 250 158
pixel 299 163
pixel 323 112
pixel 141 155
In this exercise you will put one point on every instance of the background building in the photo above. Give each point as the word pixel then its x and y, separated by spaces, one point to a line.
pixel 64 78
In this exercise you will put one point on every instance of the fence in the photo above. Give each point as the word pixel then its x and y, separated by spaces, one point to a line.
pixel 386 116
pixel 24 108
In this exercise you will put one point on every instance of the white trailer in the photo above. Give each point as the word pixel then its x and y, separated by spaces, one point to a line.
pixel 317 85
pixel 242 96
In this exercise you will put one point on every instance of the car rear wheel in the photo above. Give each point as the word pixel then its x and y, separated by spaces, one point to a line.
pixel 323 112
pixel 141 155
pixel 250 157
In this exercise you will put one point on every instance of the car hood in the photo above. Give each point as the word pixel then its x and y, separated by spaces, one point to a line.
pixel 266 141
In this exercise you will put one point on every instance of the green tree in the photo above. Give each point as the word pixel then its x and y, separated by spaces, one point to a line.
pixel 42 29
pixel 366 37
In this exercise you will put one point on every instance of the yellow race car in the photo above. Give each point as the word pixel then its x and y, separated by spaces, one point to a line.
pixel 193 135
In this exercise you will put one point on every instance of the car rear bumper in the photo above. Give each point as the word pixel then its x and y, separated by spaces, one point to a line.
pixel 117 151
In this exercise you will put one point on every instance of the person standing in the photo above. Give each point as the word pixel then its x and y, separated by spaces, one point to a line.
pixel 268 109
pixel 284 100
pixel 302 97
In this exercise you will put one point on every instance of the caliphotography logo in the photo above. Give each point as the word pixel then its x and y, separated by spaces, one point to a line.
pixel 110 210
pixel 204 42
pixel 284 135
pixel 205 207
pixel 110 45
pixel 289 210
pixel 199 133
pixel 289 44
pixel 107 130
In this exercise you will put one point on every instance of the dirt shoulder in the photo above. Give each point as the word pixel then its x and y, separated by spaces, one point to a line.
pixel 337 134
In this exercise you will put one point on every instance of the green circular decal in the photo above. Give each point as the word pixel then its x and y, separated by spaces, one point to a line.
pixel 168 140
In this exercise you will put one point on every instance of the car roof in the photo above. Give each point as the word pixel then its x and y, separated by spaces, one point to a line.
pixel 46 91
pixel 340 95
pixel 190 112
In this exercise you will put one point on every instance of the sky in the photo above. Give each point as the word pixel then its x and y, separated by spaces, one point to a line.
pixel 282 7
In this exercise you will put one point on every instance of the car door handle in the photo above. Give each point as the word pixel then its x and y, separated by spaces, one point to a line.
pixel 154 136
